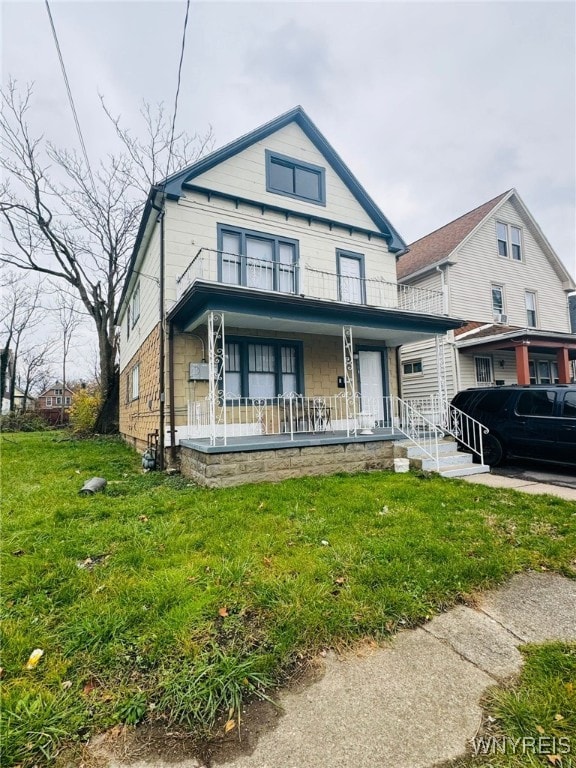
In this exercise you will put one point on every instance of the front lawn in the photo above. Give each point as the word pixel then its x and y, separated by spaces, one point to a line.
pixel 157 599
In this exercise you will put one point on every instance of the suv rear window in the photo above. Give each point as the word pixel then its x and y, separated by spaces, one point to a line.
pixel 492 402
pixel 538 402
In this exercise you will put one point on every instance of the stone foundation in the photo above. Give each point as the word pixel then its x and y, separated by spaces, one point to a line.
pixel 219 470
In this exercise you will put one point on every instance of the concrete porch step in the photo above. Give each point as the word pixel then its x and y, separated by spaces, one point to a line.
pixel 463 470
pixel 414 452
pixel 452 462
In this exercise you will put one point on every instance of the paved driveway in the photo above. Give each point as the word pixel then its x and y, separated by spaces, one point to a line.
pixel 538 473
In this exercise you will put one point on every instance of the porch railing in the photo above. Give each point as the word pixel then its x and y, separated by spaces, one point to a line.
pixel 290 278
pixel 292 415
pixel 451 420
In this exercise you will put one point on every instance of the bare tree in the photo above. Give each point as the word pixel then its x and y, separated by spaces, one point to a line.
pixel 21 313
pixel 35 370
pixel 77 226
pixel 69 319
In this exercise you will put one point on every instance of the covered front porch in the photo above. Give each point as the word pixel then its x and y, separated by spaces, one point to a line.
pixel 520 356
pixel 289 367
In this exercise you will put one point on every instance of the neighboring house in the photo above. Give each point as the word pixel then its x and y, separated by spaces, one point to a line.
pixel 275 273
pixel 497 270
pixel 20 400
pixel 54 397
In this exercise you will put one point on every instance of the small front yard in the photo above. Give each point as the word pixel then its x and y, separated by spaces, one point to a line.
pixel 160 600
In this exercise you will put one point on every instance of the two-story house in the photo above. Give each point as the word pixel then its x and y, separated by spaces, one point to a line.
pixel 261 314
pixel 54 403
pixel 498 271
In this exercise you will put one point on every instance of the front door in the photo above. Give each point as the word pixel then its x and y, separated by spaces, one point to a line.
pixel 371 385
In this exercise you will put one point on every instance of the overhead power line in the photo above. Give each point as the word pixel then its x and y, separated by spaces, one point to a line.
pixel 182 48
pixel 70 99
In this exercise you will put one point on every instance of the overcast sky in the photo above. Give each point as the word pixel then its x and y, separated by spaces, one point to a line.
pixel 435 106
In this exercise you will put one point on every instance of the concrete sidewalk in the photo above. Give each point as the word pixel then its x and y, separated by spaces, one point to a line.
pixel 415 702
pixel 521 484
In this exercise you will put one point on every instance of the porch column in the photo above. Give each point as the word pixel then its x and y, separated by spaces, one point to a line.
pixel 563 365
pixel 216 376
pixel 441 368
pixel 349 381
pixel 522 367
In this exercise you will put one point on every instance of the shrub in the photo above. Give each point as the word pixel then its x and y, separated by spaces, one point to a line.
pixel 29 421
pixel 83 411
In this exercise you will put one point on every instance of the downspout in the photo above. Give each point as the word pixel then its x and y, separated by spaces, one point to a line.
pixel 161 441
pixel 171 386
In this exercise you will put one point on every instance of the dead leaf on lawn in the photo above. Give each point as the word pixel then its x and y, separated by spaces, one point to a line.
pixel 540 729
pixel 223 611
pixel 66 685
pixel 339 580
pixel 267 561
pixel 229 725
pixel 555 759
pixel 261 505
pixel 18 552
pixel 143 518
pixel 558 716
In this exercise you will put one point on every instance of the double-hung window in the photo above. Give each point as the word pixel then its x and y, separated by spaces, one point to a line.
pixel 262 369
pixel 295 178
pixel 257 260
pixel 136 382
pixel 531 317
pixel 497 302
pixel 350 268
pixel 509 239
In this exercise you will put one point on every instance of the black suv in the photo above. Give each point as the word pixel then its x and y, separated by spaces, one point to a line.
pixel 533 422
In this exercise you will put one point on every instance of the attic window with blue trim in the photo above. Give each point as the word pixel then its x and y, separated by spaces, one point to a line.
pixel 295 178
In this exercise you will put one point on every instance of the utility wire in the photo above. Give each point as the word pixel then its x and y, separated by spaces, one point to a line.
pixel 182 48
pixel 70 99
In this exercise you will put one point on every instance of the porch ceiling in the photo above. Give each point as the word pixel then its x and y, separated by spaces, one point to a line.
pixel 298 314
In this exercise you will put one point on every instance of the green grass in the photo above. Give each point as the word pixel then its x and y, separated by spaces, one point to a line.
pixel 532 722
pixel 197 599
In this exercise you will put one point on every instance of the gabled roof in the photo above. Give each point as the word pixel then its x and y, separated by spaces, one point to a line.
pixel 175 183
pixel 173 186
pixel 436 247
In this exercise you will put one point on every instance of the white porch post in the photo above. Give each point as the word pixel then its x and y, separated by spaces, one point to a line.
pixel 441 368
pixel 349 382
pixel 217 375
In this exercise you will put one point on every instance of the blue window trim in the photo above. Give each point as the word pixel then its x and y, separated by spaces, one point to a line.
pixel 359 257
pixel 275 239
pixel 294 163
pixel 244 341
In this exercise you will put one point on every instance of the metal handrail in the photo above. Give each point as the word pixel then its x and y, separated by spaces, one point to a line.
pixel 418 429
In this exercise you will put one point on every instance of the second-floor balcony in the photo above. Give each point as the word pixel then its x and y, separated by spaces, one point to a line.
pixel 287 277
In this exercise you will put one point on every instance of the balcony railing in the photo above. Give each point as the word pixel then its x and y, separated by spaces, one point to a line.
pixel 289 278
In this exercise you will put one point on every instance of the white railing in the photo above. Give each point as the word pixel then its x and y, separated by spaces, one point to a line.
pixel 417 428
pixel 260 274
pixel 292 414
pixel 451 420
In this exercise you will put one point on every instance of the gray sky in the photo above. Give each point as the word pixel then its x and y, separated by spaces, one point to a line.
pixel 435 106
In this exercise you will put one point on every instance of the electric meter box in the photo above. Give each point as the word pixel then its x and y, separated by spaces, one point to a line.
pixel 198 372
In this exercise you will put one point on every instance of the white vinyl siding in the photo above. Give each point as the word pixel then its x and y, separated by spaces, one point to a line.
pixel 417 385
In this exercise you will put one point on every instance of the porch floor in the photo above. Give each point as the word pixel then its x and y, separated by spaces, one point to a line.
pixel 299 440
